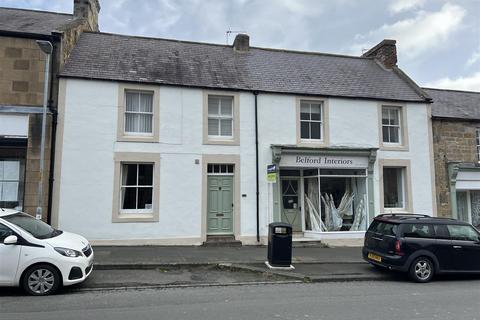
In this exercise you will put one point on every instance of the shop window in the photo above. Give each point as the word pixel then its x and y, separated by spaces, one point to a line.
pixel 468 206
pixel 311 120
pixel 391 125
pixel 138 113
pixel 11 184
pixel 220 169
pixel 220 117
pixel 393 188
pixel 137 187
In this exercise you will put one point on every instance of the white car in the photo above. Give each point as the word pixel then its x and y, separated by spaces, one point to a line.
pixel 39 258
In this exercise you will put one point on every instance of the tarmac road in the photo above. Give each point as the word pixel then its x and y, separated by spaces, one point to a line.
pixel 396 299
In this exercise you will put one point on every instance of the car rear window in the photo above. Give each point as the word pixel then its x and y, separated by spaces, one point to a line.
pixel 418 230
pixel 385 228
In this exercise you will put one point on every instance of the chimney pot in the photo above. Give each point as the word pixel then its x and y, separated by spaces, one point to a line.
pixel 241 43
pixel 385 52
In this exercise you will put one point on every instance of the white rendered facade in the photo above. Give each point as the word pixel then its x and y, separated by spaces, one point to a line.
pixel 86 176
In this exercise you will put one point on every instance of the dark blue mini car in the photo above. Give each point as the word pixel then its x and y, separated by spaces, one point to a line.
pixel 422 245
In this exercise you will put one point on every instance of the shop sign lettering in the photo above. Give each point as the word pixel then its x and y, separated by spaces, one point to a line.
pixel 323 161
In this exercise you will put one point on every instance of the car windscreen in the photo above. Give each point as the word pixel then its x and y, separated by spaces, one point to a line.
pixel 36 228
pixel 384 228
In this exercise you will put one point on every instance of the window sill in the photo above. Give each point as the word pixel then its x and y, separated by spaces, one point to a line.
pixel 393 147
pixel 311 143
pixel 231 142
pixel 139 138
pixel 135 217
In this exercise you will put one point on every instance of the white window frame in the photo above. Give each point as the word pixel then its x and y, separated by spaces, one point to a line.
pixel 124 136
pixel 219 117
pixel 133 133
pixel 405 165
pixel 402 144
pixel 222 140
pixel 399 126
pixel 137 186
pixel 126 216
pixel 321 121
pixel 403 193
pixel 477 142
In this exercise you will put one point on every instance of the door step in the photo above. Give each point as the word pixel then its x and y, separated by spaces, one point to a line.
pixel 222 241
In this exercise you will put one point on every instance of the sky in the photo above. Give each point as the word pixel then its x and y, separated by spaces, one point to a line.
pixel 438 41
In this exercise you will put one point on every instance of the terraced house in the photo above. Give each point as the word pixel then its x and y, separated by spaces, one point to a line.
pixel 22 80
pixel 456 140
pixel 168 142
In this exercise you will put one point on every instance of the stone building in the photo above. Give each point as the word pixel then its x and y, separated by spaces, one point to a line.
pixel 456 142
pixel 22 73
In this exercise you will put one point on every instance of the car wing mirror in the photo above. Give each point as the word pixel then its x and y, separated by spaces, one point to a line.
pixel 10 240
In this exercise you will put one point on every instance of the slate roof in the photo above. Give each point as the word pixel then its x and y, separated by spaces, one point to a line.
pixel 455 104
pixel 138 59
pixel 32 21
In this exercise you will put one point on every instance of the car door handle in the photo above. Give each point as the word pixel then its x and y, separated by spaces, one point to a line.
pixel 457 247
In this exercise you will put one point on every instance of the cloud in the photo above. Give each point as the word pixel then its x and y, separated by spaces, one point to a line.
pixel 469 83
pixel 473 58
pixel 425 31
pixel 398 6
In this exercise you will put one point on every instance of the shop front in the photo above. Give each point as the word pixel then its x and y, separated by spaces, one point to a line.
pixel 465 192
pixel 324 193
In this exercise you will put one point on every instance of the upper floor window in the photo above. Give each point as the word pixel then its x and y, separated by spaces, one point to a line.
pixel 391 125
pixel 311 120
pixel 138 113
pixel 220 117
pixel 478 143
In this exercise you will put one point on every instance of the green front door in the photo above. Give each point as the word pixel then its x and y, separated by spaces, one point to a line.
pixel 291 211
pixel 220 205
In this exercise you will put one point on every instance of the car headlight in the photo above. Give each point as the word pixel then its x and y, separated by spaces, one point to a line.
pixel 68 252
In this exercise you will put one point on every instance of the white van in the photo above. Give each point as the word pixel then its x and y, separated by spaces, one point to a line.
pixel 39 258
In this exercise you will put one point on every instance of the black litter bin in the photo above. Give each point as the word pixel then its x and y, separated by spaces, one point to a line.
pixel 280 244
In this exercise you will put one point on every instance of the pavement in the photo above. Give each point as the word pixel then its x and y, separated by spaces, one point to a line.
pixel 124 267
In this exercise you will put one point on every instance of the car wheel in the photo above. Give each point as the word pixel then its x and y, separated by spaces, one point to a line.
pixel 422 270
pixel 41 280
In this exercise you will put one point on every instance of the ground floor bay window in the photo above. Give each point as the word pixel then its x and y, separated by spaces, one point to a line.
pixel 468 206
pixel 324 200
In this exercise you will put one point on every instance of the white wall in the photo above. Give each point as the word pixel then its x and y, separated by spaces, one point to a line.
pixel 89 144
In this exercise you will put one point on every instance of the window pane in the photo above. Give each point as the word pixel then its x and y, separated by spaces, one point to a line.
pixel 304 111
pixel 316 112
pixel 462 206
pixel 9 191
pixel 146 102
pixel 145 174
pixel 213 103
pixel 418 231
pixel 394 117
pixel 145 123
pixel 226 106
pixel 385 134
pixel 385 116
pixel 213 126
pixel 394 134
pixel 226 127
pixel 466 233
pixel 304 130
pixel 393 188
pixel 475 207
pixel 144 198
pixel 210 168
pixel 316 133
pixel 129 196
pixel 132 101
pixel 131 122
pixel 129 172
pixel 11 170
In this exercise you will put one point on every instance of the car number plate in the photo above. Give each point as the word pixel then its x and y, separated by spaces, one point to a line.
pixel 374 257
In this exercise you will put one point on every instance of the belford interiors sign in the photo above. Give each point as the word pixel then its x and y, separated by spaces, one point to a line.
pixel 323 161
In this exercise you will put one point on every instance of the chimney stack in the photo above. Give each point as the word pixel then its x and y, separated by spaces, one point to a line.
pixel 385 52
pixel 87 9
pixel 241 43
